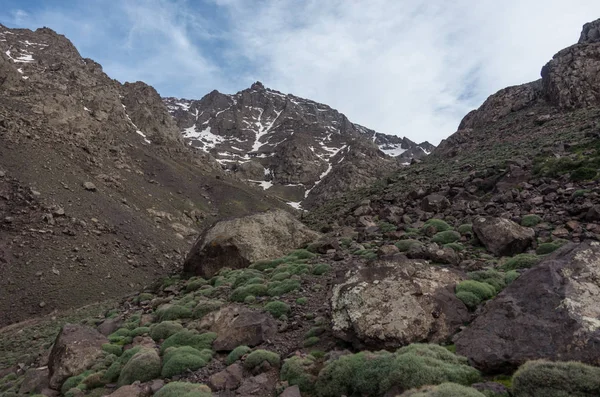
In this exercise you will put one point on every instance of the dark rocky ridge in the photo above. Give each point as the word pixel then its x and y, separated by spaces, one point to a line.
pixel 303 151
pixel 63 123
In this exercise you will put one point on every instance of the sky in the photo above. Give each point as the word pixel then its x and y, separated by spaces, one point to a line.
pixel 405 67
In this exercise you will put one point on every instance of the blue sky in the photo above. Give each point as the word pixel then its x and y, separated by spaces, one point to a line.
pixel 406 67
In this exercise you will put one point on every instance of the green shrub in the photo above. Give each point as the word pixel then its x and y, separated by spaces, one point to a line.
pixel 143 297
pixel 511 276
pixel 547 248
pixel 120 332
pixel 491 277
pixel 404 245
pixel 387 227
pixel 184 389
pixel 556 379
pixel 280 276
pixel 455 246
pixel 245 277
pixel 73 382
pixel 250 299
pixel 311 341
pixel 139 331
pixel 189 338
pixel 300 371
pixel 280 288
pixel 375 373
pixel 206 306
pixel 530 220
pixel 194 284
pixel 446 237
pixel 178 360
pixel 583 174
pixel 467 228
pixel 236 354
pixel 277 308
pixel 292 268
pixel 482 290
pixel 240 293
pixel 469 299
pixel 521 261
pixel 302 301
pixel 444 390
pixel 113 372
pixel 438 224
pixel 302 254
pixel 321 268
pixel 267 264
pixel 143 366
pixel 173 312
pixel 257 357
pixel 164 330
pixel 112 349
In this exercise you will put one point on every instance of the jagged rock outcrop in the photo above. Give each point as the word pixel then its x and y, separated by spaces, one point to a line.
pixel 395 302
pixel 297 142
pixel 237 243
pixel 590 33
pixel 549 312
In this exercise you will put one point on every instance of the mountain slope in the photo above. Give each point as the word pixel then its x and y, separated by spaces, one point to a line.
pixel 288 144
pixel 98 193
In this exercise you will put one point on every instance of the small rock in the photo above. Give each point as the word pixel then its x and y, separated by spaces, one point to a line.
pixel 2 174
pixel 293 391
pixel 42 304
pixel 89 186
pixel 387 250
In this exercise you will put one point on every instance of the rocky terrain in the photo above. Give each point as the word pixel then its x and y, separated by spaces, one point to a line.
pixel 474 272
pixel 297 149
pixel 97 188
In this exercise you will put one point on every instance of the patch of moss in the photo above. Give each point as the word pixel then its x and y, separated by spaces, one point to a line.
pixel 547 248
pixel 280 288
pixel 466 228
pixel 531 220
pixel 300 371
pixel 511 276
pixel 236 354
pixel 143 366
pixel 113 372
pixel 206 306
pixel 257 357
pixel 184 389
pixel 277 308
pixel 178 360
pixel 446 237
pixel 173 312
pixel 311 341
pixel 112 349
pixel 457 247
pixel 139 331
pixel 195 283
pixel 404 245
pixel 521 261
pixel 437 224
pixel 444 390
pixel 189 338
pixel 164 330
pixel 321 268
pixel 240 293
pixel 302 301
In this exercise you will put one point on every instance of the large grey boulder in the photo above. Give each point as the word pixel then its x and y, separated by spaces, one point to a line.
pixel 552 311
pixel 396 302
pixel 239 242
pixel 503 237
pixel 237 325
pixel 76 348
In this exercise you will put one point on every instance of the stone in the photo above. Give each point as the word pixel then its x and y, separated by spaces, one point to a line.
pixel 89 186
pixel 434 203
pixel 551 311
pixel 434 253
pixel 35 380
pixel 503 237
pixel 228 379
pixel 76 348
pixel 590 33
pixel 593 214
pixel 262 385
pixel 238 325
pixel 387 250
pixel 395 302
pixel 110 325
pixel 128 391
pixel 237 243
pixel 292 391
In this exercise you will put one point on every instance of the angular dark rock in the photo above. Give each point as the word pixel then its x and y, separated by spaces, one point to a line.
pixel 503 237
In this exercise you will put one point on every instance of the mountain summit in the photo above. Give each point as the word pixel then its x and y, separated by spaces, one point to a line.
pixel 290 145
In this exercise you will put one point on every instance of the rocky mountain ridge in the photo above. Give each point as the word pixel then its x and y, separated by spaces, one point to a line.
pixel 96 185
pixel 301 150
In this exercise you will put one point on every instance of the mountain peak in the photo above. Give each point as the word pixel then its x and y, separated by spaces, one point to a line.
pixel 257 86
pixel 590 33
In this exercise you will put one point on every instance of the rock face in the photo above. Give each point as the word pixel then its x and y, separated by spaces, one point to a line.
pixel 503 237
pixel 297 143
pixel 237 325
pixel 552 311
pixel 238 242
pixel 75 349
pixel 397 302
pixel 571 78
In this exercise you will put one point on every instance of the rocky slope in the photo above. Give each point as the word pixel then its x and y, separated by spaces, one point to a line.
pixel 98 193
pixel 303 151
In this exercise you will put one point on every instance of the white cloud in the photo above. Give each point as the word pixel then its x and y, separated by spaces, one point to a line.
pixel 407 67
